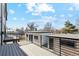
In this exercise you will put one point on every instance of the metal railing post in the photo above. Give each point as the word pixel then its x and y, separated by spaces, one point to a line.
pixel 60 45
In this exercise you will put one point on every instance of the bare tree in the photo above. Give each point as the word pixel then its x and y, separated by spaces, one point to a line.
pixel 48 27
pixel 31 26
pixel 20 31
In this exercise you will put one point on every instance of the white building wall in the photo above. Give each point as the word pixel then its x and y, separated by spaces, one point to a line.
pixel 36 41
pixel 45 39
pixel 27 38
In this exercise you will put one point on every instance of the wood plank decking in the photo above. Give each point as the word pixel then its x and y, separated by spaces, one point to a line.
pixel 11 50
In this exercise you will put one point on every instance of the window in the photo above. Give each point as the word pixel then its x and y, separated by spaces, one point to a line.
pixel 36 37
pixel 27 35
pixel 69 43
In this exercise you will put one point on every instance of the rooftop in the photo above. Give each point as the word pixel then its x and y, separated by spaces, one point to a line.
pixel 71 36
pixel 39 32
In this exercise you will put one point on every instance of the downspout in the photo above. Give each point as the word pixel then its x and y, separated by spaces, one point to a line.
pixel 5 20
pixel 1 25
pixel 60 46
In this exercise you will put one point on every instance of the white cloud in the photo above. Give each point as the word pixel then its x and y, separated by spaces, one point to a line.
pixel 76 6
pixel 23 18
pixel 71 8
pixel 36 13
pixel 44 8
pixel 37 9
pixel 43 20
pixel 70 15
pixel 30 6
pixel 11 11
pixel 14 18
pixel 56 22
pixel 62 15
pixel 19 5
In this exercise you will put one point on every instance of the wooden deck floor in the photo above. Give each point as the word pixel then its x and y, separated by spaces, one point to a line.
pixel 11 50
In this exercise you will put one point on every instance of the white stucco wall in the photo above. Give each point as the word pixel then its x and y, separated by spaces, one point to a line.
pixel 44 40
pixel 36 41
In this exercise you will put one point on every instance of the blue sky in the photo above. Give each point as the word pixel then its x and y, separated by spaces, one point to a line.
pixel 19 14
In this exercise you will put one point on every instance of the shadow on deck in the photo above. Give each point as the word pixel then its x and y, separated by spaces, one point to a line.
pixel 11 50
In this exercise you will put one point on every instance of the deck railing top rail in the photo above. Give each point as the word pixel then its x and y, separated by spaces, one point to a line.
pixel 69 36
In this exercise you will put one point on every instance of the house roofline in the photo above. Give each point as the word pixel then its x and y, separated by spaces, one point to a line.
pixel 39 32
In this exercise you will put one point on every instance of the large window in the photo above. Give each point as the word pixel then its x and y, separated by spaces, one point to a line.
pixel 36 37
pixel 69 43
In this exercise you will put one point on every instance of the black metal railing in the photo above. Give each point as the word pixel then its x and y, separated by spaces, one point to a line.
pixel 64 46
pixel 68 46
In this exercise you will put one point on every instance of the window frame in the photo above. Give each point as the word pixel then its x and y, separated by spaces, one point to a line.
pixel 68 43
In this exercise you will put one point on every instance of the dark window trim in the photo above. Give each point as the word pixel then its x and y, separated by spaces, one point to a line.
pixel 36 37
pixel 68 43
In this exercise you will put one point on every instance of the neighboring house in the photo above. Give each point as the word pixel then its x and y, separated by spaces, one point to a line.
pixel 60 44
pixel 38 37
pixel 3 18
